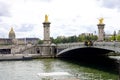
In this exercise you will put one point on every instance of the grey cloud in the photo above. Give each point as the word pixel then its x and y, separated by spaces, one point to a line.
pixel 3 35
pixel 110 3
pixel 4 9
pixel 4 30
pixel 75 19
pixel 26 27
pixel 40 0
pixel 46 0
pixel 91 29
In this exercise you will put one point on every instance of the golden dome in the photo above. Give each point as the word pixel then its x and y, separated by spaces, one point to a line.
pixel 12 34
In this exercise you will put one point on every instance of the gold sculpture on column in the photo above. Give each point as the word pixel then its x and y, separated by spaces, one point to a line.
pixel 46 18
pixel 101 20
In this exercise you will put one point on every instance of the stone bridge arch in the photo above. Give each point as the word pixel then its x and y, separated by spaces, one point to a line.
pixel 83 51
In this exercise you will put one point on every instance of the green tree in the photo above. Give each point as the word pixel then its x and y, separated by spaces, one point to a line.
pixel 113 38
pixel 81 38
pixel 118 37
pixel 40 41
pixel 72 39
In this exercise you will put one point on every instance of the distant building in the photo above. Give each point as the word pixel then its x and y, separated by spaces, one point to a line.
pixel 108 36
pixel 62 37
pixel 87 34
pixel 5 41
pixel 12 34
pixel 27 40
pixel 13 40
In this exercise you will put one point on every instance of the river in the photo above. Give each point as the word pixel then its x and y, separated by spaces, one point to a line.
pixel 28 70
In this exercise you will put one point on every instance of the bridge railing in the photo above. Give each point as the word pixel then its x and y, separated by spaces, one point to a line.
pixel 115 46
pixel 68 45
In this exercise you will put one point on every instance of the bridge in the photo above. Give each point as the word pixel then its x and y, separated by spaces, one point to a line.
pixel 96 54
pixel 67 49
pixel 96 48
pixel 57 50
pixel 74 51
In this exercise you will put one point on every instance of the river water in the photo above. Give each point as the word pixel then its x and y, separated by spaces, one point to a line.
pixel 28 70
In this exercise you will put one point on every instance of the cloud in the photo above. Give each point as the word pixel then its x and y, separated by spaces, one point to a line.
pixel 4 30
pixel 67 17
pixel 46 0
pixel 38 0
pixel 26 27
pixel 110 3
pixel 4 9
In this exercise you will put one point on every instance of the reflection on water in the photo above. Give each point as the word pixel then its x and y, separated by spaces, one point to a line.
pixel 28 70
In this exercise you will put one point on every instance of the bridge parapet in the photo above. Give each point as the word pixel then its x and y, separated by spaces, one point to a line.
pixel 106 43
pixel 114 46
pixel 68 45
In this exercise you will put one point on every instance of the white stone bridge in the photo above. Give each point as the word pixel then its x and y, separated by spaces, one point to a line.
pixel 96 54
pixel 97 46
pixel 56 50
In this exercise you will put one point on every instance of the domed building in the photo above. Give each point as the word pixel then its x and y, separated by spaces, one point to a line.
pixel 12 34
pixel 13 40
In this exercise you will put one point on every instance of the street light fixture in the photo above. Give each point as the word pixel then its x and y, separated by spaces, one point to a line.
pixel 114 35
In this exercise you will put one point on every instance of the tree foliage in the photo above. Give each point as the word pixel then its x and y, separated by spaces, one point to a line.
pixel 118 37
pixel 70 39
pixel 40 41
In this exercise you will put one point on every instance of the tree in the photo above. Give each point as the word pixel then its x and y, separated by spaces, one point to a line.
pixel 118 37
pixel 81 38
pixel 40 41
pixel 112 38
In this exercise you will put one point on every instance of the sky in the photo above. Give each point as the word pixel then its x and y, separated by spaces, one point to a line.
pixel 67 17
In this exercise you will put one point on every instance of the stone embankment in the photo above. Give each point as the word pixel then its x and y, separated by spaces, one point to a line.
pixel 7 57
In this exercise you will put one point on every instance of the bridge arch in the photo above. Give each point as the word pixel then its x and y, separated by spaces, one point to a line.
pixel 83 51
pixel 89 56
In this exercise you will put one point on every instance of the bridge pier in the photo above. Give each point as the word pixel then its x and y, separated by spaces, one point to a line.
pixel 48 50
pixel 53 50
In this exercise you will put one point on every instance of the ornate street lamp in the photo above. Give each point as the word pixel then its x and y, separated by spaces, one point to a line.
pixel 114 35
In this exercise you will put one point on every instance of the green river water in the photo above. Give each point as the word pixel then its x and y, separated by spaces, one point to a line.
pixel 28 70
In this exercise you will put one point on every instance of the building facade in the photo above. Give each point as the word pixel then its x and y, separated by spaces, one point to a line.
pixel 13 40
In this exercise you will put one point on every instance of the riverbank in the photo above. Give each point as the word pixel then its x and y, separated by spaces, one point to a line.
pixel 11 57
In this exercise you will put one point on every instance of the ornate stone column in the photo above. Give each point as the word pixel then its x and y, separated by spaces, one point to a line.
pixel 46 47
pixel 46 26
pixel 101 32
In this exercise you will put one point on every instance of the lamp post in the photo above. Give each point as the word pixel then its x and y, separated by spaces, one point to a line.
pixel 104 37
pixel 114 35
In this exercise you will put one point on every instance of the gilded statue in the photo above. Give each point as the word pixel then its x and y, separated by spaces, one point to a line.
pixel 46 18
pixel 101 21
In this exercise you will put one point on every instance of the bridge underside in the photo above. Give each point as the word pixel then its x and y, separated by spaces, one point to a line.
pixel 86 51
pixel 89 55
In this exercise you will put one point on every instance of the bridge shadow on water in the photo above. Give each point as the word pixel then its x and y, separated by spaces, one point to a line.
pixel 91 57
